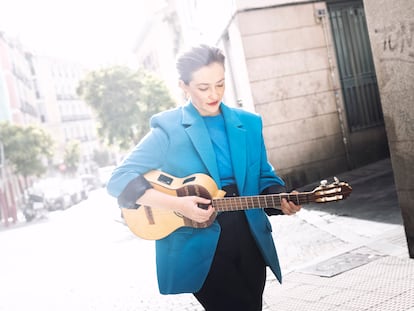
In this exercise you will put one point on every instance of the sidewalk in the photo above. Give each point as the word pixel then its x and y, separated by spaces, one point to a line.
pixel 345 256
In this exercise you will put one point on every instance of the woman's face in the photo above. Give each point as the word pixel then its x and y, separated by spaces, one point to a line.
pixel 206 89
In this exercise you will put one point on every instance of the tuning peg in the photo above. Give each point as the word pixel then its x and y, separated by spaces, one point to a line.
pixel 324 183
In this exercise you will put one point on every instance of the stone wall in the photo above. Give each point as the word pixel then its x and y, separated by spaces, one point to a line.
pixel 292 70
pixel 391 31
pixel 294 85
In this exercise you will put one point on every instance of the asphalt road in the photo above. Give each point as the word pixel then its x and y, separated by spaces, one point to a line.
pixel 82 258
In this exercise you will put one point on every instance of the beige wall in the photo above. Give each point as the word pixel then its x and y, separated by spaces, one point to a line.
pixel 291 69
pixel 391 30
pixel 294 82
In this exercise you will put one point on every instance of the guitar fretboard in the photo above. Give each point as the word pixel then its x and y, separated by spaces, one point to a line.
pixel 260 201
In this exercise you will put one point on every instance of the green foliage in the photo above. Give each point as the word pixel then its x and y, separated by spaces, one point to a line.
pixel 72 156
pixel 26 148
pixel 124 100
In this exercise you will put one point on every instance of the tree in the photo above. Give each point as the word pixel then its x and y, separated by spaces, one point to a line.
pixel 124 100
pixel 26 148
pixel 72 156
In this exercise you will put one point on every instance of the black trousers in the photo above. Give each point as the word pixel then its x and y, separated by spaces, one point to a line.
pixel 237 277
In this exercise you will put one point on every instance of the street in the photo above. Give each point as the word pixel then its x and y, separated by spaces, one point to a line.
pixel 82 258
pixel 85 258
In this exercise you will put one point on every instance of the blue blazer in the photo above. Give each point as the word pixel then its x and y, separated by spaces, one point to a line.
pixel 179 144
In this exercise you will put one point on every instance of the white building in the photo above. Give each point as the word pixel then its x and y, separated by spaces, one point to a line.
pixel 63 113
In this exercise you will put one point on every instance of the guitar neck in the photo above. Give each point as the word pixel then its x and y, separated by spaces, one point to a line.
pixel 260 201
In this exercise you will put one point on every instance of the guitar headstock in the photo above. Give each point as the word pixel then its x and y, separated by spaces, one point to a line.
pixel 336 191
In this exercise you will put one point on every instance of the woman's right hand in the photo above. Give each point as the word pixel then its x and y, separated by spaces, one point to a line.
pixel 188 206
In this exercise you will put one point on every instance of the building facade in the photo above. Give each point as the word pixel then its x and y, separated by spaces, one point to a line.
pixel 307 68
pixel 18 106
pixel 157 45
pixel 65 116
pixel 391 30
pixel 42 91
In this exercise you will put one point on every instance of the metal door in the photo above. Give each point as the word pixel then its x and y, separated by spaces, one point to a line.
pixel 355 64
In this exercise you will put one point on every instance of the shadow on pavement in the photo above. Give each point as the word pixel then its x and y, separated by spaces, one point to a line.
pixel 373 196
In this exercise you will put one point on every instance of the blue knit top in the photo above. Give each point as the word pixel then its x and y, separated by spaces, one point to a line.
pixel 218 136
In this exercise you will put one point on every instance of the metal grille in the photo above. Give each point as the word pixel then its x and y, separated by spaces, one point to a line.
pixel 355 64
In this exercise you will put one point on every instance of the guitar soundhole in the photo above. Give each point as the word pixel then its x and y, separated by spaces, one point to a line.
pixel 190 179
pixel 196 190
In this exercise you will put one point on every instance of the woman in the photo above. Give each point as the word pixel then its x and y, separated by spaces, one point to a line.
pixel 224 265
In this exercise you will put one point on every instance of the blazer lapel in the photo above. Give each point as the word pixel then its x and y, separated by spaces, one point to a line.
pixel 199 136
pixel 236 134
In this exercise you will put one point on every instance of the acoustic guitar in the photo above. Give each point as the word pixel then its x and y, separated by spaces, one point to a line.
pixel 157 223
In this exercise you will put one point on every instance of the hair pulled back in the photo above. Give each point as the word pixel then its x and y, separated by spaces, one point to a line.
pixel 195 58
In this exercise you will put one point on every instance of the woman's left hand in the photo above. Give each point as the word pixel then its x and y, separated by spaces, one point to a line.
pixel 290 208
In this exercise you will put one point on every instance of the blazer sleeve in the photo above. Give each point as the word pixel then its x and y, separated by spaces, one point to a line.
pixel 134 190
pixel 147 155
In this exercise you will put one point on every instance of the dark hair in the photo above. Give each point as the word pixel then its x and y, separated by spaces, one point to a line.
pixel 195 58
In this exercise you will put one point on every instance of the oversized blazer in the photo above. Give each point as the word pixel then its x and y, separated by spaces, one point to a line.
pixel 179 144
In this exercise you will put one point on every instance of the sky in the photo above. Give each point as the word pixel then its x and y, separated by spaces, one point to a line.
pixel 89 31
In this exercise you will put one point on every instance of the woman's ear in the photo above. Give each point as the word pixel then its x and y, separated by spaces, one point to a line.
pixel 181 84
pixel 184 86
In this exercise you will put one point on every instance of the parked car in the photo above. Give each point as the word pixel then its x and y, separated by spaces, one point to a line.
pixel 34 207
pixel 90 182
pixel 54 194
pixel 75 188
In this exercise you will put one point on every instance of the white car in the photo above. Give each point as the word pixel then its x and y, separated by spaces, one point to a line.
pixel 75 188
pixel 54 193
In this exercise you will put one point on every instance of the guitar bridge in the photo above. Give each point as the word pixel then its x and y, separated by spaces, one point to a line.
pixel 150 216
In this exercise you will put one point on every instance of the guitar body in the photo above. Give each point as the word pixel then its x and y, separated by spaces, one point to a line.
pixel 156 223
